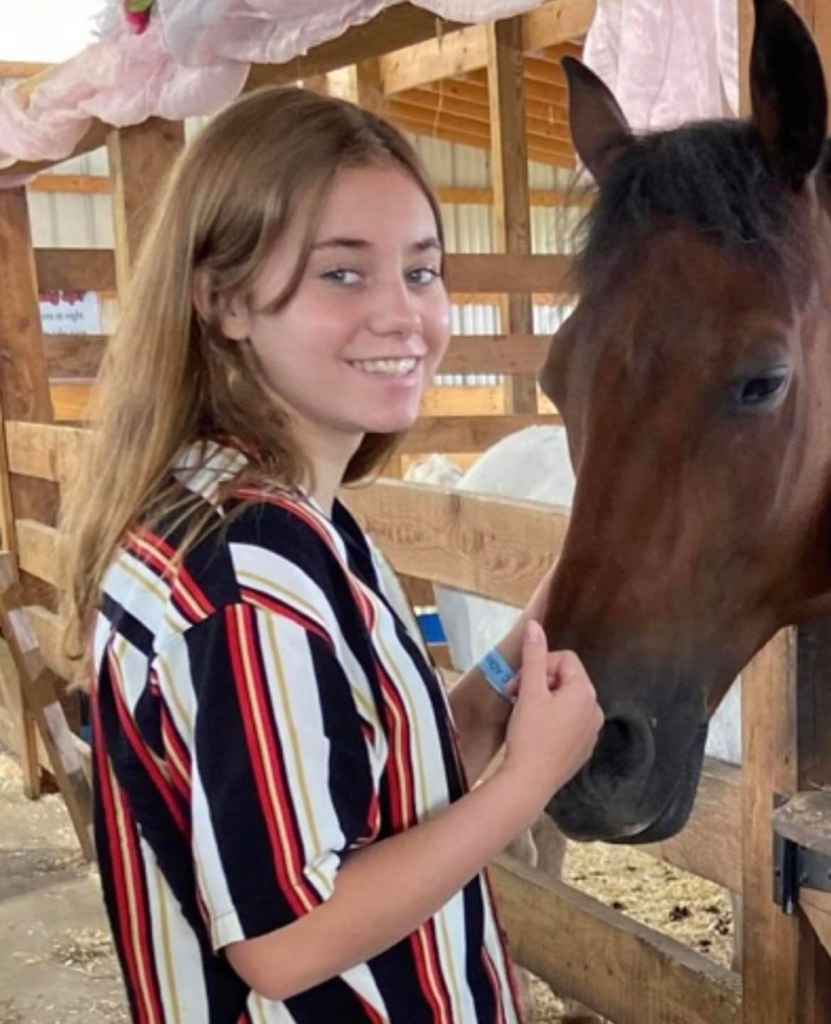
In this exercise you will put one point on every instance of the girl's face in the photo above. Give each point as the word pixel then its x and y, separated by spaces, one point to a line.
pixel 353 350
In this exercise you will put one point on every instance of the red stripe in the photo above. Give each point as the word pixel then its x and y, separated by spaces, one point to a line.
pixel 312 520
pixel 372 1014
pixel 490 970
pixel 442 1012
pixel 172 741
pixel 145 942
pixel 157 553
pixel 503 942
pixel 398 730
pixel 241 632
pixel 286 611
pixel 109 796
pixel 104 785
pixel 140 750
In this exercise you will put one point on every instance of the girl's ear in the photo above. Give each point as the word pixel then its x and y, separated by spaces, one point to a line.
pixel 235 316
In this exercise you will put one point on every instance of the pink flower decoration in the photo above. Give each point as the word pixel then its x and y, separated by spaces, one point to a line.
pixel 137 13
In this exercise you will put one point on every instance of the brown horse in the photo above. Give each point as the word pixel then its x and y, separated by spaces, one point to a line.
pixel 694 379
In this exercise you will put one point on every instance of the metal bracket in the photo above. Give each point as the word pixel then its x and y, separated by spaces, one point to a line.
pixel 795 867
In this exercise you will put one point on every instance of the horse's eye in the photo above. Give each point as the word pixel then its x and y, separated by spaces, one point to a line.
pixel 762 389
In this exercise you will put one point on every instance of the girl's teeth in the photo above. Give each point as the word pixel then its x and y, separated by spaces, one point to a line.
pixel 394 367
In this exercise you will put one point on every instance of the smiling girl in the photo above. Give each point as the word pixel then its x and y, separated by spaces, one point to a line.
pixel 283 818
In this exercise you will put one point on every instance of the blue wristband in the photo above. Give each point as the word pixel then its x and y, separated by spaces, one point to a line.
pixel 497 671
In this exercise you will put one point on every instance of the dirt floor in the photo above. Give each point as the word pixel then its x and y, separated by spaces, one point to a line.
pixel 56 960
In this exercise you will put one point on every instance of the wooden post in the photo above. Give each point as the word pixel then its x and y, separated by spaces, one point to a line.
pixel 140 159
pixel 24 383
pixel 40 688
pixel 769 767
pixel 786 722
pixel 24 735
pixel 509 171
pixel 813 721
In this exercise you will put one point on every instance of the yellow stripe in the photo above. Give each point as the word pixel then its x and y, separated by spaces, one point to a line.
pixel 447 948
pixel 271 586
pixel 131 884
pixel 268 769
pixel 294 740
pixel 167 951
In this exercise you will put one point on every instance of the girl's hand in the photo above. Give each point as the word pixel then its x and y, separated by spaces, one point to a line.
pixel 555 722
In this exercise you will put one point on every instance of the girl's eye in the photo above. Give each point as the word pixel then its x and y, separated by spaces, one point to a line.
pixel 423 275
pixel 342 275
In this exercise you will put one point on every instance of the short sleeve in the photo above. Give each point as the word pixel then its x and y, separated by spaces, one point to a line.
pixel 281 778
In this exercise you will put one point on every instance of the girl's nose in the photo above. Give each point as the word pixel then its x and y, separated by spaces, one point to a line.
pixel 394 312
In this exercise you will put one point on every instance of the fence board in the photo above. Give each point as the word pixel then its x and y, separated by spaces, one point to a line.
pixel 495 353
pixel 468 433
pixel 44 450
pixel 621 968
pixel 490 273
pixel 38 550
pixel 487 545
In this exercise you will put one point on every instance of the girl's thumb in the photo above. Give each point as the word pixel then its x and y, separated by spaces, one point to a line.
pixel 534 653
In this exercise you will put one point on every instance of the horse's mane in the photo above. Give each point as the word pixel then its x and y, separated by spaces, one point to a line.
pixel 711 175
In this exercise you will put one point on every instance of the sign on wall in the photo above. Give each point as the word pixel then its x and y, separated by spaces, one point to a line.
pixel 70 313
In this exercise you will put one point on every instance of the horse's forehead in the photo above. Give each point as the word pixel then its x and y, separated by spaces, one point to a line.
pixel 673 282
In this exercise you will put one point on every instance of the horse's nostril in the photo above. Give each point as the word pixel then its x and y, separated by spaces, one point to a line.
pixel 620 753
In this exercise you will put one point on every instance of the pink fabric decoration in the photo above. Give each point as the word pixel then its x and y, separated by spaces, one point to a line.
pixel 667 61
pixel 192 59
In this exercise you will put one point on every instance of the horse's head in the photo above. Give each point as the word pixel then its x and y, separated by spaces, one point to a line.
pixel 694 379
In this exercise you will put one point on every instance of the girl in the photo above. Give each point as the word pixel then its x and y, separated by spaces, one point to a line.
pixel 284 826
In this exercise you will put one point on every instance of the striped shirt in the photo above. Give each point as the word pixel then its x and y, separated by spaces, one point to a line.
pixel 259 710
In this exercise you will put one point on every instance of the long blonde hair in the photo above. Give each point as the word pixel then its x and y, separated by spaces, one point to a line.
pixel 170 377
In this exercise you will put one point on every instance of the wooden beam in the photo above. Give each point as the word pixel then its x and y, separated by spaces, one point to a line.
pixel 509 173
pixel 538 197
pixel 94 270
pixel 495 353
pixel 454 111
pixel 93 138
pixel 543 153
pixel 451 54
pixel 71 400
pixel 392 29
pixel 23 68
pixel 463 400
pixel 80 184
pixel 468 433
pixel 75 270
pixel 74 356
pixel 562 935
pixel 467 49
pixel 472 101
pixel 541 92
pixel 514 274
pixel 141 158
pixel 553 24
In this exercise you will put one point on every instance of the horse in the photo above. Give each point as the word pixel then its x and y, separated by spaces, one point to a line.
pixel 691 379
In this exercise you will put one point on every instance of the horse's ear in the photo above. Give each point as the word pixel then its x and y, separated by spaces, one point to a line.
pixel 599 128
pixel 787 88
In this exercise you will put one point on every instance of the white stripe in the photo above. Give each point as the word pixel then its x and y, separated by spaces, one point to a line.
pixel 493 944
pixel 184 996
